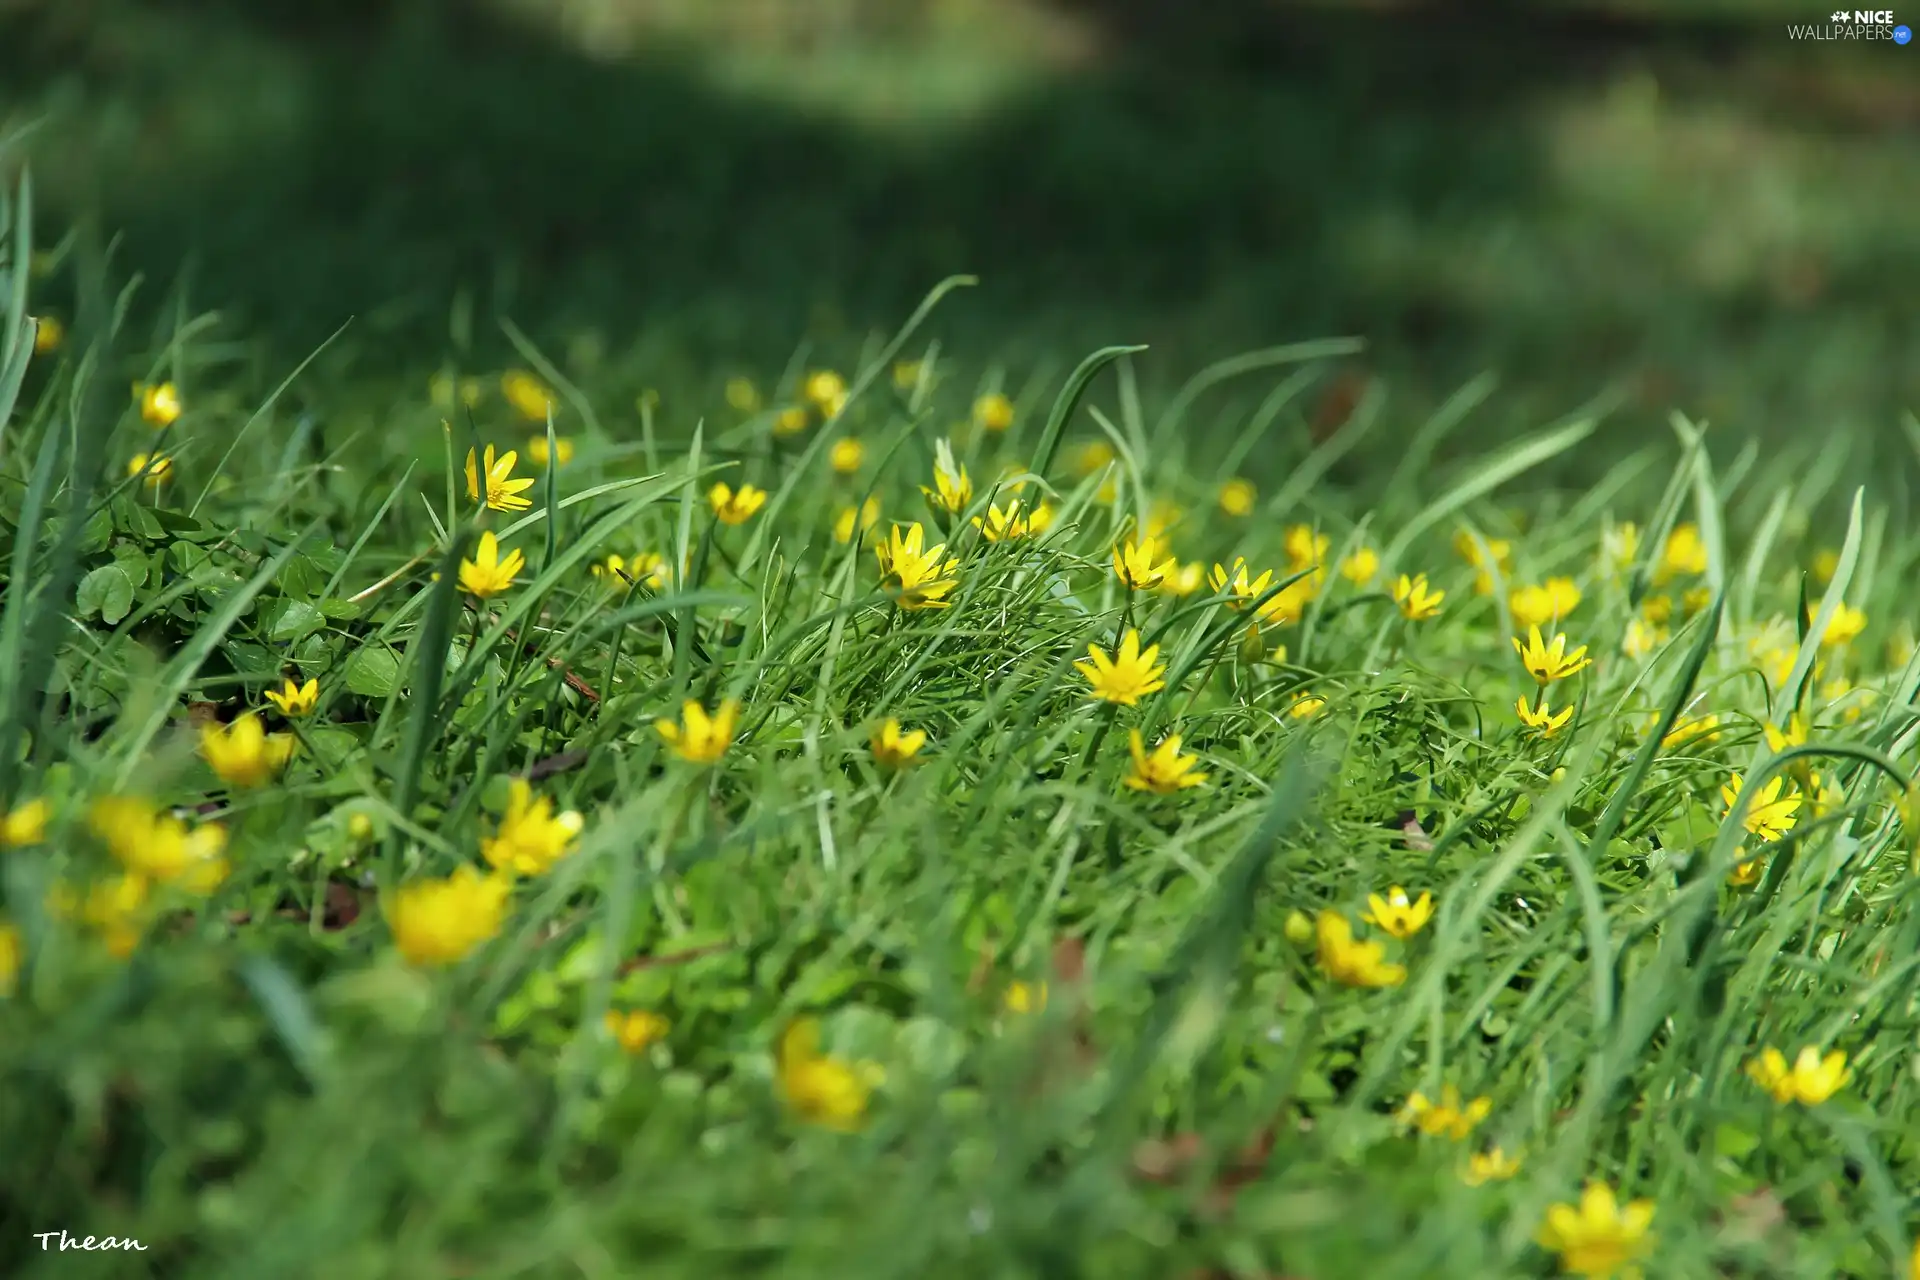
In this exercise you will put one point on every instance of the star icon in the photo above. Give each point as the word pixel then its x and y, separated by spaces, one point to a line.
pixel 1840 15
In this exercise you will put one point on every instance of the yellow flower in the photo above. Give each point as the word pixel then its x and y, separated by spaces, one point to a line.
pixel 1127 676
pixel 1491 1165
pixel 527 394
pixel 1305 705
pixel 1846 623
pixel 115 908
pixel 1746 874
pixel 896 749
pixel 1349 962
pixel 489 573
pixel 243 753
pixel 1771 815
pixel 1547 721
pixel 1244 590
pixel 1304 547
pixel 1549 662
pixel 1185 579
pixel 1299 929
pixel 846 455
pixel 443 390
pixel 159 403
pixel 792 420
pixel 1134 564
pixel 1092 456
pixel 441 922
pixel 1794 735
pixel 1810 1081
pixel 1024 997
pixel 1161 517
pixel 1010 524
pixel 952 488
pixel 1398 916
pixel 1416 601
pixel 917 578
pixel 1619 544
pixel 1696 599
pixel 906 374
pixel 1693 731
pixel 157 467
pixel 1498 555
pixel 823 1090
pixel 742 394
pixel 154 845
pixel 532 837
pixel 12 956
pixel 827 390
pixel 1165 771
pixel 1642 638
pixel 700 738
pixel 537 450
pixel 1684 554
pixel 1826 563
pixel 295 699
pixel 503 491
pixel 731 506
pixel 1237 497
pixel 993 412
pixel 637 1030
pixel 1360 566
pixel 868 515
pixel 25 824
pixel 1539 606
pixel 48 334
pixel 1657 609
pixel 1598 1239
pixel 1450 1117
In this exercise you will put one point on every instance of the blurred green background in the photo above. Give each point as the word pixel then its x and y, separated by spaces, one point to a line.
pixel 1670 202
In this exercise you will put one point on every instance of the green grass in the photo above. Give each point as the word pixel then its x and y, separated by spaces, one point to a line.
pixel 262 1085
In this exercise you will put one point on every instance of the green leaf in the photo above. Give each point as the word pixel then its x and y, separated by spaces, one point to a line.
pixel 295 620
pixel 108 592
pixel 373 673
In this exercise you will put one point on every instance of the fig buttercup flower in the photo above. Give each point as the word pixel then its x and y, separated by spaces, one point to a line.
pixel 827 390
pixel 1794 735
pixel 1163 771
pixel 48 334
pixel 1091 456
pixel 792 420
pixel 1451 1117
pixel 530 397
pixel 952 489
pixel 155 469
pixel 1544 604
pixel 439 922
pixel 906 374
pixel 489 573
pixel 116 908
pixel 1350 962
pixel 700 738
pixel 1242 588
pixel 1619 546
pixel 1845 625
pixel 846 455
pixel 1549 662
pixel 160 403
pixel 1696 731
pixel 1304 547
pixel 1024 997
pixel 1685 554
pixel 444 390
pixel 1541 717
pixel 154 845
pixel 1305 706
pixel 531 836
pixel 1810 1081
pixel 295 700
pixel 537 450
pixel 742 394
pixel 1599 1238
pixel 1184 580
pixel 895 748
pixel 13 953
pixel 243 753
pixel 866 515
pixel 26 823
pixel 1013 523
pixel 1642 638
pixel 917 577
pixel 636 1030
pixel 1491 1165
pixel 1237 497
pixel 993 412
pixel 1396 915
pixel 735 506
pixel 1134 564
pixel 1417 601
pixel 502 492
pixel 1360 566
pixel 1770 815
pixel 824 1090
pixel 1127 676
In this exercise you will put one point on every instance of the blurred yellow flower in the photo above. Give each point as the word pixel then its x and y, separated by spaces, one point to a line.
pixel 1451 1117
pixel 1810 1081
pixel 1350 962
pixel 488 573
pixel 529 396
pixel 1845 625
pixel 243 753
pixel 742 394
pixel 1005 525
pixel 1545 604
pixel 441 922
pixel 906 374
pixel 155 845
pixel 1619 545
pixel 13 953
pixel 846 455
pixel 157 468
pixel 1304 547
pixel 1599 1239
pixel 1127 676
pixel 1305 705
pixel 48 334
pixel 1092 456
pixel 1396 914
pixel 993 412
pixel 868 516
pixel 1237 497
pixel 636 1030
pixel 1641 638
pixel 699 738
pixel 735 506
pixel 821 1089
pixel 531 837
pixel 1360 566
pixel 917 577
pixel 1491 1165
pixel 159 403
pixel 502 490
pixel 116 908
pixel 295 700
pixel 1164 771
pixel 894 748
pixel 1685 554
pixel 1693 730
pixel 1184 580
pixel 537 450
pixel 1024 997
pixel 792 420
pixel 26 823
pixel 1794 735
pixel 1826 563
pixel 827 390
pixel 444 390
